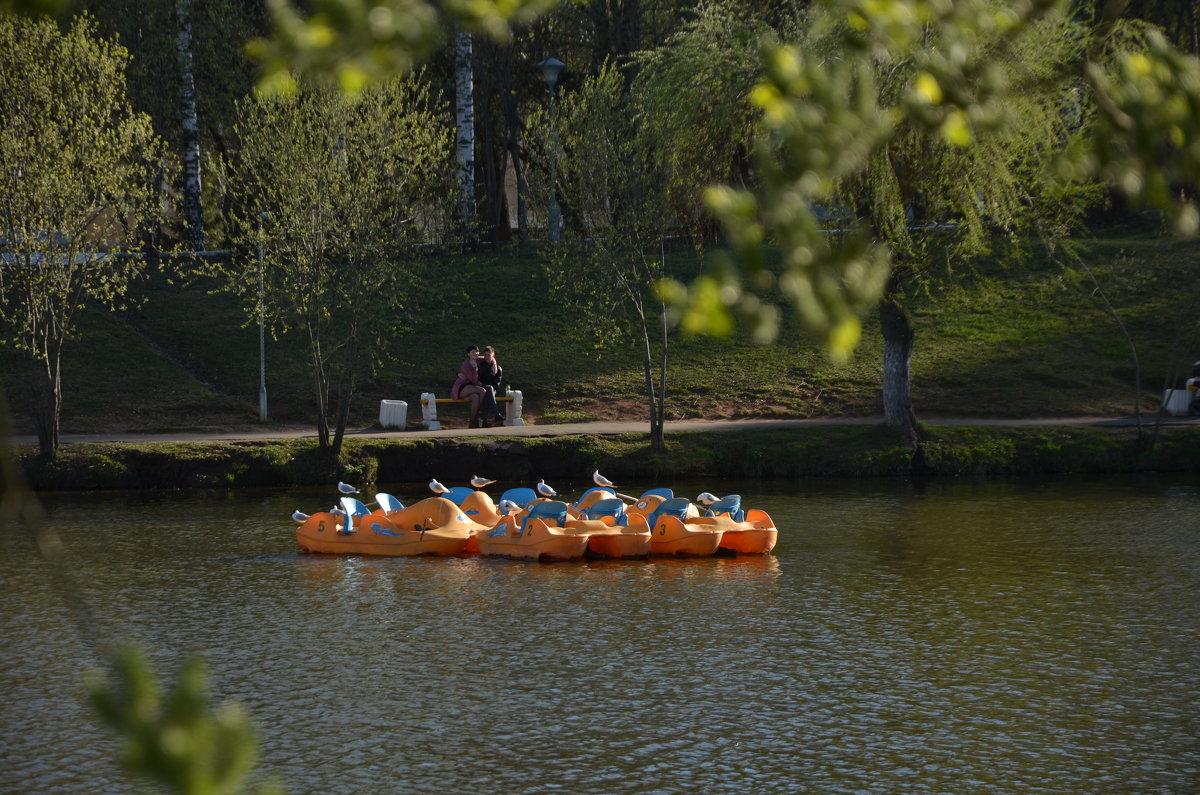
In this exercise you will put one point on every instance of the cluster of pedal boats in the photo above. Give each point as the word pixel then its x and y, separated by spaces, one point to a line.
pixel 531 524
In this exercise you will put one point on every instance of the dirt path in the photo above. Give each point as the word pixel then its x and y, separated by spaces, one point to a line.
pixel 604 427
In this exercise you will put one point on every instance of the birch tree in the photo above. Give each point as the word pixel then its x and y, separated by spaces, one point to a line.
pixel 77 174
pixel 193 206
pixel 464 125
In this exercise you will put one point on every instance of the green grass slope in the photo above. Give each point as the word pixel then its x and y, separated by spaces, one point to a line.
pixel 998 340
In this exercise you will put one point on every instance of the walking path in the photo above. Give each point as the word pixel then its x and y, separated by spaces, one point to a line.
pixel 568 429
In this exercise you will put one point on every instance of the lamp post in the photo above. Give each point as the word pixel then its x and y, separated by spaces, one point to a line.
pixel 262 345
pixel 550 69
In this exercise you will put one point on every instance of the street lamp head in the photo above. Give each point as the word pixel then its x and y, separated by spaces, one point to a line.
pixel 550 69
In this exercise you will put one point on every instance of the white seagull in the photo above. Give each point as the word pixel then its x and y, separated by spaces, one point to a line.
pixel 705 498
pixel 508 506
pixel 346 488
pixel 300 517
pixel 479 482
pixel 600 480
pixel 545 490
pixel 438 488
pixel 336 511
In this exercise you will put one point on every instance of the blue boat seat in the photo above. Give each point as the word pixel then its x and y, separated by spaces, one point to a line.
pixel 551 511
pixel 521 496
pixel 354 507
pixel 730 504
pixel 457 494
pixel 666 494
pixel 675 506
pixel 589 491
pixel 388 503
pixel 610 507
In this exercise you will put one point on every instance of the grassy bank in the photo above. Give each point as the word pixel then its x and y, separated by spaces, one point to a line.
pixel 826 451
pixel 1008 338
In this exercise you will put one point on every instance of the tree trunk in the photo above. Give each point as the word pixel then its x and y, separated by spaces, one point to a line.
pixel 464 121
pixel 660 441
pixel 513 142
pixel 43 378
pixel 656 426
pixel 193 206
pixel 897 357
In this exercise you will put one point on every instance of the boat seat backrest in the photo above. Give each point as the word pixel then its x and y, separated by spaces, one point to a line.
pixel 730 504
pixel 666 494
pixel 354 507
pixel 675 506
pixel 521 495
pixel 458 494
pixel 592 495
pixel 388 503
pixel 610 507
pixel 549 511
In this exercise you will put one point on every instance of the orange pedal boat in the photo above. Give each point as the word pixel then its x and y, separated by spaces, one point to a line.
pixel 671 528
pixel 619 534
pixel 434 526
pixel 750 532
pixel 542 530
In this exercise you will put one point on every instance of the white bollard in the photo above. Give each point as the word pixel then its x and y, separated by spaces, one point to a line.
pixel 429 411
pixel 512 411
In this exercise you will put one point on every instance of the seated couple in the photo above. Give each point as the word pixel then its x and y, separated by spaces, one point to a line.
pixel 478 381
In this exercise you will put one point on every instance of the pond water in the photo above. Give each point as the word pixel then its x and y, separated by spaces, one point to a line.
pixel 950 637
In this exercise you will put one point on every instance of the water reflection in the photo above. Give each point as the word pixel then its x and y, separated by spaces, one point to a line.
pixel 1002 636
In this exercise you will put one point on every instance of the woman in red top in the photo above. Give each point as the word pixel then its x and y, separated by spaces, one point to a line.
pixel 467 387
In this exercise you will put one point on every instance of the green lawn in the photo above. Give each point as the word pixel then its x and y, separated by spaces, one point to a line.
pixel 1009 340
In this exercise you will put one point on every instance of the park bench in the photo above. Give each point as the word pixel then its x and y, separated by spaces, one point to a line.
pixel 430 401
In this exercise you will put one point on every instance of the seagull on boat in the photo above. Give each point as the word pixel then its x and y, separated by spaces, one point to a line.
pixel 437 488
pixel 508 506
pixel 346 488
pixel 705 498
pixel 479 482
pixel 600 480
pixel 545 490
pixel 336 511
pixel 300 517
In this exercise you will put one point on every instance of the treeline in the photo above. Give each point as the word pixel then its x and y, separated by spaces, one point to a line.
pixel 692 63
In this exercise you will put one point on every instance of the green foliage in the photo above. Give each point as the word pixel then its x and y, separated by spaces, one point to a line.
pixel 690 99
pixel 33 7
pixel 1148 133
pixel 77 192
pixel 956 117
pixel 919 120
pixel 336 192
pixel 609 180
pixel 360 41
pixel 174 738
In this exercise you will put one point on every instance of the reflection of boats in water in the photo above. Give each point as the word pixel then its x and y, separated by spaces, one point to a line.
pixel 522 525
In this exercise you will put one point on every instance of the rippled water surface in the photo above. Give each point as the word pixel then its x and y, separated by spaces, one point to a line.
pixel 1022 637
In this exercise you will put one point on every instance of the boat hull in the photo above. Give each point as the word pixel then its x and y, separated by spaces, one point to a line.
pixel 756 535
pixel 673 537
pixel 537 541
pixel 377 535
pixel 616 541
